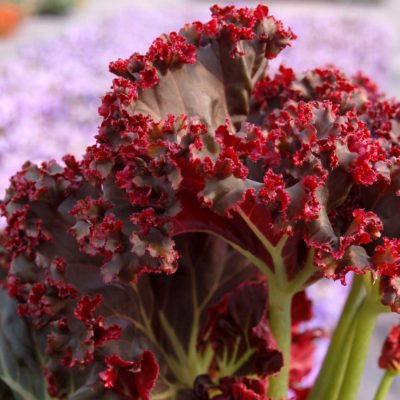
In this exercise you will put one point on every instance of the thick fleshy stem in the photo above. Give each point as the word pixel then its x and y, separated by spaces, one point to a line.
pixel 342 359
pixel 365 322
pixel 364 327
pixel 280 296
pixel 333 367
pixel 384 386
pixel 280 304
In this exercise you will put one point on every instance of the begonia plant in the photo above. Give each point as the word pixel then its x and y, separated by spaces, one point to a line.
pixel 172 261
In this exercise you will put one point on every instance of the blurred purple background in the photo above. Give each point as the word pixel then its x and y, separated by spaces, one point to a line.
pixel 54 70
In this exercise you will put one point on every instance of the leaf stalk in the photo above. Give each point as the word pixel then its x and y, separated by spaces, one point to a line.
pixel 384 385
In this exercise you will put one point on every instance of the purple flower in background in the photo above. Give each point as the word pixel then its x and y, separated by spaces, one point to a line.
pixel 50 91
pixel 348 43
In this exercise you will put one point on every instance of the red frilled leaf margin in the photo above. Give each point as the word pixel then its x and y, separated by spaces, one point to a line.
pixel 121 260
pixel 390 355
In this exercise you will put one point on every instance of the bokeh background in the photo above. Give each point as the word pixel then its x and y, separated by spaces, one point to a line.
pixel 54 57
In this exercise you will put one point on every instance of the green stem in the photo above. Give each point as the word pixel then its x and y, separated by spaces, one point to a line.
pixel 384 386
pixel 275 251
pixel 364 327
pixel 299 283
pixel 341 361
pixel 167 394
pixel 280 304
pixel 248 255
pixel 331 366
